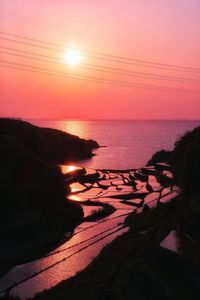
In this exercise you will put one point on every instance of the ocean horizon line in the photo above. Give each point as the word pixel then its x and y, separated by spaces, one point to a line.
pixel 100 120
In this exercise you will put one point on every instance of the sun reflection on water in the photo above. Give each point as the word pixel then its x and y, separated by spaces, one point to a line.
pixel 73 127
pixel 75 198
pixel 69 168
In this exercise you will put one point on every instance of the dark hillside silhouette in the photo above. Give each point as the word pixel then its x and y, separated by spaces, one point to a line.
pixel 53 145
pixel 186 162
pixel 35 212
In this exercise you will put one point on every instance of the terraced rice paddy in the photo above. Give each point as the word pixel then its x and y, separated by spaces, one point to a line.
pixel 107 198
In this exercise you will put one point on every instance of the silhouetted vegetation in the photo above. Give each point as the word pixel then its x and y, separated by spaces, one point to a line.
pixel 162 156
pixel 186 162
pixel 186 170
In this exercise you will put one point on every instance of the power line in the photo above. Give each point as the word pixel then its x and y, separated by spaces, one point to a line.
pixel 30 39
pixel 30 44
pixel 100 55
pixel 36 21
pixel 104 54
pixel 91 56
pixel 87 78
pixel 99 67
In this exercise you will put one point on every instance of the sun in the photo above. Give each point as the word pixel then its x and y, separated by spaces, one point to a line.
pixel 72 57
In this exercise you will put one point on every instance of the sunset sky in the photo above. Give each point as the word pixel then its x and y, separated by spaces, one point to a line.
pixel 130 59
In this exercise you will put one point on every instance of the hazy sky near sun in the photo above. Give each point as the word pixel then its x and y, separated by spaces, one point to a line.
pixel 158 31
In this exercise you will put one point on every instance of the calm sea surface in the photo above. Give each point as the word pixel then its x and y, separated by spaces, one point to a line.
pixel 129 144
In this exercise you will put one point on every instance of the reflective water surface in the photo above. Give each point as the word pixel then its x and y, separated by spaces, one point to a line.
pixel 129 144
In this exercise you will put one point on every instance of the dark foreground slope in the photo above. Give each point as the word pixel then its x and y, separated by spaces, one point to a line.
pixel 34 210
pixel 134 266
pixel 137 265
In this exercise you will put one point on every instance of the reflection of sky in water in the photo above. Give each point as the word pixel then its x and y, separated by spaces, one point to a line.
pixel 130 144
pixel 171 242
pixel 68 267
pixel 65 168
pixel 66 260
pixel 75 198
pixel 74 127
pixel 181 243
pixel 75 187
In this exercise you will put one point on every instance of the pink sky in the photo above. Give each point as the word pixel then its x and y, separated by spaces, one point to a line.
pixel 160 31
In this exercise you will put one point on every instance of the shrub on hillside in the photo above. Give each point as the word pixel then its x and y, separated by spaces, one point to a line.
pixel 186 162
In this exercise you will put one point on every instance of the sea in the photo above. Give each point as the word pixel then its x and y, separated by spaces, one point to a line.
pixel 125 144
